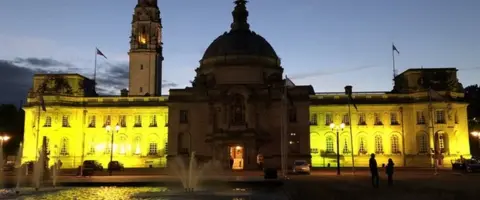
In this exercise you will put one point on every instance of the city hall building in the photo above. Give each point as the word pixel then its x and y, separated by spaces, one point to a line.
pixel 234 109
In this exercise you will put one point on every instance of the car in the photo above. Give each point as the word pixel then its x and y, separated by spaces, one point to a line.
pixel 467 165
pixel 92 165
pixel 115 166
pixel 301 166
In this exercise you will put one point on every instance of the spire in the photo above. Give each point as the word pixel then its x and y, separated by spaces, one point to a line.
pixel 240 15
pixel 147 3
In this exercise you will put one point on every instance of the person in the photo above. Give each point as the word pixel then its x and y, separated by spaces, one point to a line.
pixel 373 170
pixel 231 162
pixel 389 171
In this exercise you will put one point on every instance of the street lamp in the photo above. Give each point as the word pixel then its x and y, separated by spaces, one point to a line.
pixel 117 128
pixel 337 128
pixel 476 134
pixel 3 138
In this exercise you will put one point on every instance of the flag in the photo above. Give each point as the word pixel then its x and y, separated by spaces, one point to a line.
pixel 100 53
pixel 348 92
pixel 42 102
pixel 395 49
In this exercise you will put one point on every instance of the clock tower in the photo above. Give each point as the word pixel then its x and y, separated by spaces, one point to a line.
pixel 145 53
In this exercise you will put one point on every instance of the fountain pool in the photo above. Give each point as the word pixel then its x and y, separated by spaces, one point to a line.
pixel 144 193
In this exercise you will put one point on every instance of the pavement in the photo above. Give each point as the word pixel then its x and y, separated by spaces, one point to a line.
pixel 408 183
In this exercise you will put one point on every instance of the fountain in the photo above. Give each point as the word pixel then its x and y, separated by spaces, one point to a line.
pixel 18 166
pixel 191 175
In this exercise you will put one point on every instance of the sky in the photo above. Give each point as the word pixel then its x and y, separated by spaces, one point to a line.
pixel 324 43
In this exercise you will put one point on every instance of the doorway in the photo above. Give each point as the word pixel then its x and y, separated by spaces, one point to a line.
pixel 236 157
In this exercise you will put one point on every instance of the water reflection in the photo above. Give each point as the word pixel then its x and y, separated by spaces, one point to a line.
pixel 137 193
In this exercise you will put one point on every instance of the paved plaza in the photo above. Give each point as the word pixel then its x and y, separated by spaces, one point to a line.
pixel 321 184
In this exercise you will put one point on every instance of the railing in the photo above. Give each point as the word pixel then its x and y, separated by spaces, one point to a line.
pixel 104 99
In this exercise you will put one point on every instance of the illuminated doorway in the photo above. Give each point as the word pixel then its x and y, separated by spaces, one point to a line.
pixel 236 157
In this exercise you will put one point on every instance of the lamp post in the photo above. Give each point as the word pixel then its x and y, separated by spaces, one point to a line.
pixel 476 134
pixel 3 138
pixel 337 128
pixel 117 128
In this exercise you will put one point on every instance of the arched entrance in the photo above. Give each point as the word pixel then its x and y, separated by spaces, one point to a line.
pixel 236 157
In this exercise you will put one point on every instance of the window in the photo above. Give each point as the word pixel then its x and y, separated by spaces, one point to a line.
pixel 422 143
pixel 441 143
pixel 314 150
pixel 153 121
pixel 329 143
pixel 166 119
pixel 48 122
pixel 137 145
pixel 328 119
pixel 141 67
pixel 361 119
pixel 166 148
pixel 183 116
pixel 108 144
pixel 393 119
pixel 345 146
pixel 292 114
pixel 456 117
pixel 152 149
pixel 440 116
pixel 92 121
pixel 138 121
pixel 141 89
pixel 378 144
pixel 64 146
pixel 123 145
pixel 420 117
pixel 313 119
pixel 362 147
pixel 123 121
pixel 394 143
pixel 92 147
pixel 378 119
pixel 238 110
pixel 65 121
pixel 346 119
pixel 108 121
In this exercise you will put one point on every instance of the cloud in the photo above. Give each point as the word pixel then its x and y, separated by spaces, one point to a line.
pixel 16 76
pixel 15 81
pixel 41 62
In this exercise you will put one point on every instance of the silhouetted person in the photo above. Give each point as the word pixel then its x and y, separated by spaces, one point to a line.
pixel 373 170
pixel 389 171
pixel 231 163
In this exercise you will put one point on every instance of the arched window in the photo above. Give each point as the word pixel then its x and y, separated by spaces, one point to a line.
pixel 238 110
pixel 122 145
pixel 378 144
pixel 64 146
pixel 329 143
pixel 362 146
pixel 345 150
pixel 92 147
pixel 137 145
pixel 422 141
pixel 395 144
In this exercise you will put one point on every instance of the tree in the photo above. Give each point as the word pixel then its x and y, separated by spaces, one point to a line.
pixel 11 124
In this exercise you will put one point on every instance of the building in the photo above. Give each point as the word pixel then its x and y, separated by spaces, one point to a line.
pixel 235 109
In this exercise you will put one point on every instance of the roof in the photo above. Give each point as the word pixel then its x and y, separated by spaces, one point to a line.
pixel 62 74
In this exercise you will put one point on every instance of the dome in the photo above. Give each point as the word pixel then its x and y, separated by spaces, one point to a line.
pixel 240 43
pixel 240 40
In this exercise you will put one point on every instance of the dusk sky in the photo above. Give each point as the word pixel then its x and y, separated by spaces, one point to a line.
pixel 327 44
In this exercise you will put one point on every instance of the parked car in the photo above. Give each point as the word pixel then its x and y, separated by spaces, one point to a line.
pixel 301 166
pixel 467 165
pixel 115 166
pixel 9 166
pixel 92 165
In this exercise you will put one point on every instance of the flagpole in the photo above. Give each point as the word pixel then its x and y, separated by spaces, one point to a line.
pixel 351 135
pixel 95 70
pixel 393 63
pixel 38 127
pixel 432 121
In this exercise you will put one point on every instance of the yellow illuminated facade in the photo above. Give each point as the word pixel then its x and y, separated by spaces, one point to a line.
pixel 235 111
